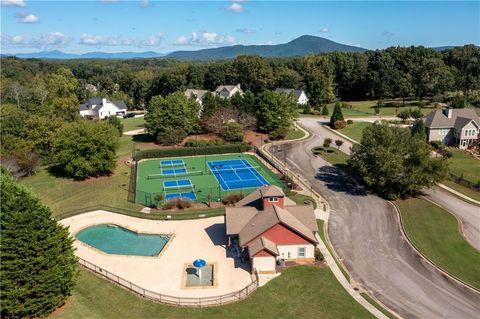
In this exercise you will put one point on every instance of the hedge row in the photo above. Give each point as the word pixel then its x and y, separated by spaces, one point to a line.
pixel 191 151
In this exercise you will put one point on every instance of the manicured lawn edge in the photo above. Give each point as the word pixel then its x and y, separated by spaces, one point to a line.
pixel 444 272
pixel 378 305
pixel 323 235
pixel 175 215
pixel 463 190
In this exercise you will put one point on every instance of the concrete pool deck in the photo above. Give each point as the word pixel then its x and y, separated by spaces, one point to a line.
pixel 199 238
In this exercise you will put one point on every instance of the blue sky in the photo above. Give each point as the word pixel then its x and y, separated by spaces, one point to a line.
pixel 164 26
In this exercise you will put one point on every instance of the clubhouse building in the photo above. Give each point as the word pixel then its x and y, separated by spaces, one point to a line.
pixel 267 227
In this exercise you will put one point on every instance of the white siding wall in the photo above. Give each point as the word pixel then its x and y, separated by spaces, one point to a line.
pixel 263 263
pixel 303 99
pixel 293 250
pixel 107 110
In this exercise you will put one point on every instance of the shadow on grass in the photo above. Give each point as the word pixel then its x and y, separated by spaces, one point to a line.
pixel 58 172
pixel 143 138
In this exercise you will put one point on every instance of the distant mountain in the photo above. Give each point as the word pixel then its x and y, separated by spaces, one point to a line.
pixel 300 46
pixel 90 55
pixel 447 47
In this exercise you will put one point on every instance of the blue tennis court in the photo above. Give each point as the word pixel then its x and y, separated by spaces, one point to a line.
pixel 173 171
pixel 176 162
pixel 236 174
pixel 186 195
pixel 177 184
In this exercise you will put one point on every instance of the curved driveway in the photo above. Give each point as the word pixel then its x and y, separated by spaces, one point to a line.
pixel 469 214
pixel 365 231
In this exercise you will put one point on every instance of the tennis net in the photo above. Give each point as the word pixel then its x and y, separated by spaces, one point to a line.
pixel 159 176
pixel 252 169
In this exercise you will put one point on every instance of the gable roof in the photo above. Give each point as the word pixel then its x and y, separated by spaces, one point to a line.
pixel 262 243
pixel 295 92
pixel 197 92
pixel 255 198
pixel 120 104
pixel 460 117
pixel 237 217
pixel 270 217
pixel 228 88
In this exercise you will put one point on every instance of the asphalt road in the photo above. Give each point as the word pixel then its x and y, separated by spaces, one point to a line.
pixel 365 232
pixel 469 214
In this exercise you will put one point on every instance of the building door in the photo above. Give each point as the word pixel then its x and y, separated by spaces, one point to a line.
pixel 463 143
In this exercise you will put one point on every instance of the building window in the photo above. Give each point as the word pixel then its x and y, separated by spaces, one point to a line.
pixel 301 252
pixel 273 199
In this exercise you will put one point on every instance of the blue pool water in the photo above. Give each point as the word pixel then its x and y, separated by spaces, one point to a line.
pixel 112 239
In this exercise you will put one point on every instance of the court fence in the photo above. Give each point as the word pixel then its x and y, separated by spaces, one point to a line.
pixel 172 300
pixel 190 151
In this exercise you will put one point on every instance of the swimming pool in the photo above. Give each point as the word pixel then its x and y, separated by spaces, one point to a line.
pixel 113 239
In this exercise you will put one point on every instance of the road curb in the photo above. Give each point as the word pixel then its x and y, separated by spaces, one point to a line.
pixel 438 268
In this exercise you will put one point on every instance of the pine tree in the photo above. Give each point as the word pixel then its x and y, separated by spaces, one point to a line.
pixel 325 110
pixel 419 131
pixel 38 266
pixel 337 114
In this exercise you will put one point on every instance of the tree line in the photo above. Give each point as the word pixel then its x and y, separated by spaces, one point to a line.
pixel 396 72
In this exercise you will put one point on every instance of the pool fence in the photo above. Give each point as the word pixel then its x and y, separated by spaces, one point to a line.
pixel 172 300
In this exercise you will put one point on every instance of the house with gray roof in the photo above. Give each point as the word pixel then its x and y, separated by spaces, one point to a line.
pixel 101 108
pixel 299 95
pixel 454 127
pixel 265 226
pixel 227 91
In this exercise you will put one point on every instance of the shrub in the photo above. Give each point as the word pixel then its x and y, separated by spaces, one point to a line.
pixel 324 110
pixel 231 199
pixel 436 144
pixel 349 122
pixel 179 203
pixel 191 151
pixel 278 133
pixel 232 132
pixel 37 260
pixel 318 255
pixel 116 123
pixel 171 136
pixel 458 102
pixel 169 204
pixel 203 143
pixel 84 149
pixel 338 125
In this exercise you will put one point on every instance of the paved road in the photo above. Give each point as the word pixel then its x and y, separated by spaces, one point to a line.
pixel 365 232
pixel 468 214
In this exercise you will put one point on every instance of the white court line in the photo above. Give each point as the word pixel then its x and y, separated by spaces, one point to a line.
pixel 210 168
pixel 249 166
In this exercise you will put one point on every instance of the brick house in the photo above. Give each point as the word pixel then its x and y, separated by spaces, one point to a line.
pixel 265 226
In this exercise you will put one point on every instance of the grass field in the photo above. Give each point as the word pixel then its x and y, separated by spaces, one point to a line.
pixel 294 134
pixel 321 233
pixel 464 165
pixel 354 130
pixel 435 232
pixel 300 292
pixel 134 123
pixel 332 155
pixel 205 184
pixel 366 108
pixel 473 194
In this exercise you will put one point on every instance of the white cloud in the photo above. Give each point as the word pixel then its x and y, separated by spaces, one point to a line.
pixel 44 41
pixel 245 30
pixel 53 39
pixel 324 30
pixel 205 38
pixel 13 3
pixel 13 41
pixel 235 7
pixel 152 41
pixel 27 18
pixel 100 41
pixel 144 3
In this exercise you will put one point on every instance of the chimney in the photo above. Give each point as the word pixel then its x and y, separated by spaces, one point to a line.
pixel 104 101
pixel 448 112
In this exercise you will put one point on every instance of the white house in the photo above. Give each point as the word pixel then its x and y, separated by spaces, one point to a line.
pixel 101 108
pixel 227 91
pixel 299 95
pixel 197 93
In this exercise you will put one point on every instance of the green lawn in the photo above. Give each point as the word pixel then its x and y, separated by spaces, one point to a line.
pixel 300 292
pixel 133 123
pixel 354 130
pixel 377 305
pixel 63 195
pixel 300 199
pixel 435 232
pixel 473 194
pixel 464 165
pixel 294 134
pixel 205 184
pixel 321 233
pixel 332 155
pixel 366 108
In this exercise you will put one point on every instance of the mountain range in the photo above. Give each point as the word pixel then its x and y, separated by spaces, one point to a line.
pixel 300 46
